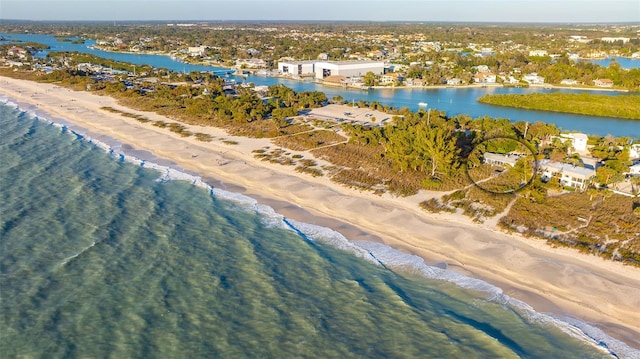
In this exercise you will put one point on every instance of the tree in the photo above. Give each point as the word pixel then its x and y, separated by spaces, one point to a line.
pixel 440 150
pixel 369 79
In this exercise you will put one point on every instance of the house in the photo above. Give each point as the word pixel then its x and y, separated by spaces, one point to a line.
pixel 569 82
pixel 497 159
pixel 482 68
pixel 484 78
pixel 196 51
pixel 624 40
pixel 391 78
pixel 634 170
pixel 17 52
pixel 414 82
pixel 533 79
pixel 578 140
pixel 569 175
pixel 251 63
pixel 454 81
pixel 634 151
pixel 603 83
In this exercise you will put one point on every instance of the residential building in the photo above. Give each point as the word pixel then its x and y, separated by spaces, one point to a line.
pixel 484 78
pixel 569 175
pixel 614 39
pixel 578 140
pixel 497 159
pixel 414 82
pixel 454 81
pixel 533 79
pixel 196 50
pixel 603 83
pixel 634 170
pixel 569 82
pixel 391 78
pixel 252 63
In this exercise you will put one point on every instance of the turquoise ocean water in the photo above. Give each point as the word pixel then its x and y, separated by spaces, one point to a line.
pixel 104 255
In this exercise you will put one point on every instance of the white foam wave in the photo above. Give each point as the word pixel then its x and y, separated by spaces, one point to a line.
pixel 331 237
pixel 376 253
pixel 576 328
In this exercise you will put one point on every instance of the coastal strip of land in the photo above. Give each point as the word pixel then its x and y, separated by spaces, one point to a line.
pixel 555 280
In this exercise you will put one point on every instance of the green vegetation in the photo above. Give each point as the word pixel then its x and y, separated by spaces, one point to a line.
pixel 413 152
pixel 622 106
pixel 596 222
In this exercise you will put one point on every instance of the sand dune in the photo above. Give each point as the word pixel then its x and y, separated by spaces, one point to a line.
pixel 559 281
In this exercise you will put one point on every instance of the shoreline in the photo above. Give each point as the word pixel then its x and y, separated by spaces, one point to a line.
pixel 556 280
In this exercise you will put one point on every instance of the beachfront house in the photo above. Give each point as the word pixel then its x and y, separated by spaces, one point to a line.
pixel 454 81
pixel 568 174
pixel 497 159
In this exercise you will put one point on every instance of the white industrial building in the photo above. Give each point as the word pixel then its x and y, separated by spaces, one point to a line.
pixel 324 69
pixel 296 68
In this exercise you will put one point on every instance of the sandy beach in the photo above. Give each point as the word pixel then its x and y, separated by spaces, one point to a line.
pixel 552 280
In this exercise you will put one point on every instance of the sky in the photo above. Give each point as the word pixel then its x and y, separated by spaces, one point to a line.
pixel 531 11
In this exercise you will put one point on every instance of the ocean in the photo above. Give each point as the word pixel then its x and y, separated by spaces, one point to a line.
pixel 106 255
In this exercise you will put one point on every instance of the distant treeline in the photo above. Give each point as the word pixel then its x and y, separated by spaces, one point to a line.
pixel 623 106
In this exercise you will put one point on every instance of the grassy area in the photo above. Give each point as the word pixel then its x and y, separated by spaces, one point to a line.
pixel 622 106
pixel 604 224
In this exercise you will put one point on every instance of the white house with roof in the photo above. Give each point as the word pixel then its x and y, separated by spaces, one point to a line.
pixel 603 83
pixel 498 159
pixel 391 78
pixel 578 140
pixel 484 78
pixel 634 151
pixel 533 78
pixel 634 170
pixel 196 50
pixel 569 175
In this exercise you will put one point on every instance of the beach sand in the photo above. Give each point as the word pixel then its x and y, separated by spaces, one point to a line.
pixel 553 280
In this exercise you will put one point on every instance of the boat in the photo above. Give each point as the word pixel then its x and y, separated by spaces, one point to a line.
pixel 422 104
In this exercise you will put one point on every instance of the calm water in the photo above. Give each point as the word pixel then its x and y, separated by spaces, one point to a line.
pixel 102 255
pixel 452 101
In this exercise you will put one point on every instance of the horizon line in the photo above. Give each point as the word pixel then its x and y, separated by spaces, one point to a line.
pixel 329 21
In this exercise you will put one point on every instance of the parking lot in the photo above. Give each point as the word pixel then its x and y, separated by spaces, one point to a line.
pixel 344 113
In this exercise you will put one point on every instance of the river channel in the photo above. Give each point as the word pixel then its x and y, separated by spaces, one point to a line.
pixel 452 100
